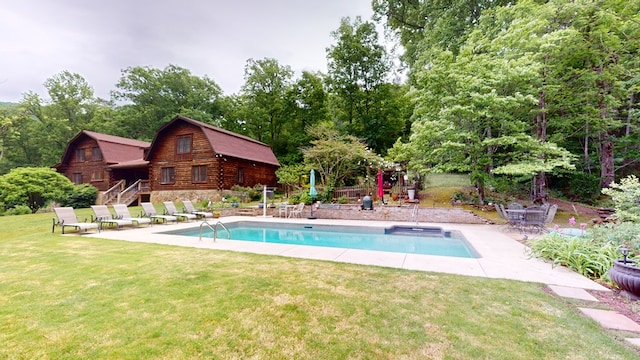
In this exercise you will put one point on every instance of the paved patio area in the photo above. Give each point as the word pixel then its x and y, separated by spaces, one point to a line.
pixel 501 256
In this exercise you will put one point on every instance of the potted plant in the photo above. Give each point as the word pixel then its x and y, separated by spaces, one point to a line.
pixel 234 201
pixel 216 214
pixel 626 274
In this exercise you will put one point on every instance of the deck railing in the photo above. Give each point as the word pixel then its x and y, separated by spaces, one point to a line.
pixel 112 194
pixel 130 194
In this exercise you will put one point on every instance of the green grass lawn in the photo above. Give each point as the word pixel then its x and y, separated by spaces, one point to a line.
pixel 79 297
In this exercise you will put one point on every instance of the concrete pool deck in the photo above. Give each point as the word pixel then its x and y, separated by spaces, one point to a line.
pixel 501 256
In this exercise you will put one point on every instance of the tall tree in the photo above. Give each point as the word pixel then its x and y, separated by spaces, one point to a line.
pixel 358 66
pixel 264 90
pixel 307 103
pixel 153 96
pixel 425 24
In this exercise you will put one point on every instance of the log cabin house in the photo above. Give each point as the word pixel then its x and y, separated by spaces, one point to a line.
pixel 104 161
pixel 192 160
pixel 187 159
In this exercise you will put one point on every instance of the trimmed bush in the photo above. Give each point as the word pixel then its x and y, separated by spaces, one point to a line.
pixel 81 196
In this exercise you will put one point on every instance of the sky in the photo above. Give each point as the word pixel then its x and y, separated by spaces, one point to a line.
pixel 215 38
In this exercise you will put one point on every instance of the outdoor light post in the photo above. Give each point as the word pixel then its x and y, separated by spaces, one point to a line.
pixel 625 252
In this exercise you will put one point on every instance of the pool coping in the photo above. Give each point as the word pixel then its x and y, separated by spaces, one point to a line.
pixel 502 257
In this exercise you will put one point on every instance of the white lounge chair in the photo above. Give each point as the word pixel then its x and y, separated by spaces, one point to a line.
pixel 150 212
pixel 122 212
pixel 104 217
pixel 188 207
pixel 67 217
pixel 172 210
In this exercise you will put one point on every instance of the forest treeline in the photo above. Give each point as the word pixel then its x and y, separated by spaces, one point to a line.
pixel 536 95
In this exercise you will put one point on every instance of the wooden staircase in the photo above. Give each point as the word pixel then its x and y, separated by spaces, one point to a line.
pixel 118 194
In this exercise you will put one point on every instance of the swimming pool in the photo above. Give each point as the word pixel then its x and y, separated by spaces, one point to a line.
pixel 402 239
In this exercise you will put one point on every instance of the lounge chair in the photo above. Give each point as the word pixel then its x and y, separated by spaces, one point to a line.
pixel 172 210
pixel 67 217
pixel 104 217
pixel 150 212
pixel 122 212
pixel 297 211
pixel 188 207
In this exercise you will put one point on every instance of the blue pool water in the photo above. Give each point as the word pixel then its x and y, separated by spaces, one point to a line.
pixel 413 240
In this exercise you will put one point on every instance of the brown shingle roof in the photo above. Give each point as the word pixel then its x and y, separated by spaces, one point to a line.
pixel 115 149
pixel 228 143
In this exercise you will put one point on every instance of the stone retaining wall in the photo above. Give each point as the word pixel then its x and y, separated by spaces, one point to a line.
pixel 382 213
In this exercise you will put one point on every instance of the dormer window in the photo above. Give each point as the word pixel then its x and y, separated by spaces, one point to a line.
pixel 183 147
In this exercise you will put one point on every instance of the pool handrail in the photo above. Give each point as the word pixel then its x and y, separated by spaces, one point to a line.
pixel 214 228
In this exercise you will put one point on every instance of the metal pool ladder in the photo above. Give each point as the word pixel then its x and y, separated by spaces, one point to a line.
pixel 414 213
pixel 214 228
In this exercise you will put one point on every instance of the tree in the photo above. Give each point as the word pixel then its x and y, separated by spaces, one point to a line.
pixel 264 90
pixel 441 24
pixel 43 127
pixel 306 102
pixel 337 157
pixel 357 70
pixel 542 72
pixel 154 96
pixel 33 187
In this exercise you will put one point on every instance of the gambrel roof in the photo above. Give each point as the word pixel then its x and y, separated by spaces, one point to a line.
pixel 115 150
pixel 225 142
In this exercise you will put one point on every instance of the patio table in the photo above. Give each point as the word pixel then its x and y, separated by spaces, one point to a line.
pixel 523 219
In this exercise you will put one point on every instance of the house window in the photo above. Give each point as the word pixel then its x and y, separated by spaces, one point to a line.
pixel 199 174
pixel 168 175
pixel 240 175
pixel 76 178
pixel 96 175
pixel 96 154
pixel 183 147
pixel 80 155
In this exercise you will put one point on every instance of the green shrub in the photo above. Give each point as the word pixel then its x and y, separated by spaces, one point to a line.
pixel 81 196
pixel 587 256
pixel 32 187
pixel 626 198
pixel 19 210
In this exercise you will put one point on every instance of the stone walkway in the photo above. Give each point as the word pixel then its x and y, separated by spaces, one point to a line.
pixel 606 318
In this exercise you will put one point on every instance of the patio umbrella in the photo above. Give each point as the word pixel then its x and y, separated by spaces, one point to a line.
pixel 380 188
pixel 312 184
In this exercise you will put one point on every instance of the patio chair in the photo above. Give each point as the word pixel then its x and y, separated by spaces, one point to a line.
pixel 122 212
pixel 513 217
pixel 297 211
pixel 188 207
pixel 172 210
pixel 150 212
pixel 66 216
pixel 534 217
pixel 551 214
pixel 515 206
pixel 282 210
pixel 104 217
